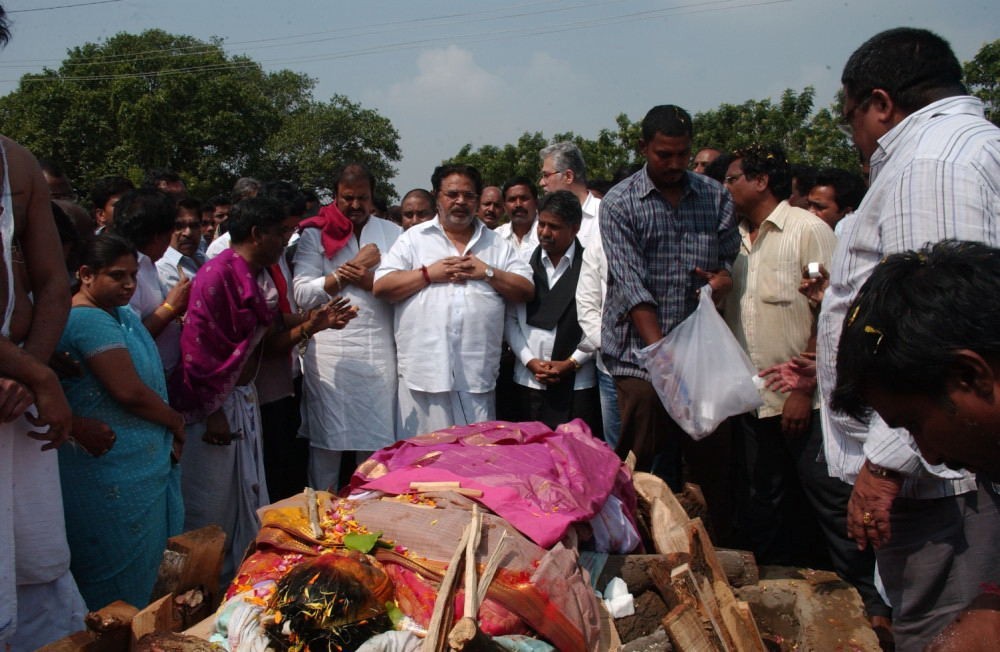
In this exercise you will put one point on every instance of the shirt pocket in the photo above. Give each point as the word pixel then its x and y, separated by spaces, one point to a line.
pixel 778 282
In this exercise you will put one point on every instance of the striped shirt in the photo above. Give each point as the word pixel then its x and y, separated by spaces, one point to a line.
pixel 935 175
pixel 770 318
pixel 652 250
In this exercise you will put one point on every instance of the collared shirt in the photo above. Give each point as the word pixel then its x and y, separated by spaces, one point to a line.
pixel 217 246
pixel 934 176
pixel 448 334
pixel 526 245
pixel 167 266
pixel 652 251
pixel 589 228
pixel 149 295
pixel 770 318
pixel 590 292
pixel 530 342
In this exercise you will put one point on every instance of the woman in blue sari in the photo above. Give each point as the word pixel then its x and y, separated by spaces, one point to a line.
pixel 122 504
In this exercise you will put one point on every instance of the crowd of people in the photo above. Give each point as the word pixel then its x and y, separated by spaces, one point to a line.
pixel 193 360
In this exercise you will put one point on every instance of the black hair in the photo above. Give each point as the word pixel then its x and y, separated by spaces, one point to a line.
pixel 914 66
pixel 143 214
pixel 217 200
pixel 441 172
pixel 804 175
pixel 259 212
pixel 848 188
pixel 668 120
pixel 107 187
pixel 353 172
pixel 421 192
pixel 104 249
pixel 717 169
pixel 519 180
pixel 911 315
pixel 189 205
pixel 564 204
pixel 160 175
pixel 288 194
pixel 756 160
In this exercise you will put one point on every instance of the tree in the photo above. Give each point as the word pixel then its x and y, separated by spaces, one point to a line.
pixel 982 74
pixel 141 101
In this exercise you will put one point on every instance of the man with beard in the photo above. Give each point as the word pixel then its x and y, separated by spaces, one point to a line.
pixel 182 258
pixel 450 277
pixel 491 207
pixel 520 198
pixel 666 232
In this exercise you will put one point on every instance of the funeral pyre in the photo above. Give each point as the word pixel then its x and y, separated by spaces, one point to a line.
pixel 334 573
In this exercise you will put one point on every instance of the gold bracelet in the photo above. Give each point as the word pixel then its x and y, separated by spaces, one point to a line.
pixel 169 307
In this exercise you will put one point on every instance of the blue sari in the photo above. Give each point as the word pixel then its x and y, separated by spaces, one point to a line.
pixel 122 506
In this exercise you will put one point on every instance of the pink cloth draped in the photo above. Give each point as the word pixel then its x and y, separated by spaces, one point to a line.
pixel 539 480
pixel 335 229
pixel 226 317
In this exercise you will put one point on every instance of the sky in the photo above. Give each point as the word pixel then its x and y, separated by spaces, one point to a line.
pixel 448 73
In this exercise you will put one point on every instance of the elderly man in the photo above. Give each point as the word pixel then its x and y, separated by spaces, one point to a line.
pixel 348 376
pixel 563 169
pixel 417 206
pixel 935 161
pixel 450 277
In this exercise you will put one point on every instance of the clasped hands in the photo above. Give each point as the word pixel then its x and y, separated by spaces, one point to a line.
pixel 457 269
pixel 550 372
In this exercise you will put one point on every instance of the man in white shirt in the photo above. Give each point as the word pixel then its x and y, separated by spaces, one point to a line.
pixel 450 278
pixel 491 207
pixel 555 378
pixel 563 168
pixel 349 375
pixel 520 197
pixel 935 161
pixel 182 256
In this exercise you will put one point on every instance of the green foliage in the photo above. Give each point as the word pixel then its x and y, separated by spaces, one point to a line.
pixel 982 75
pixel 141 101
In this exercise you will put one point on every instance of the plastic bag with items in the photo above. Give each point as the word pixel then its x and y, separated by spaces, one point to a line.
pixel 700 372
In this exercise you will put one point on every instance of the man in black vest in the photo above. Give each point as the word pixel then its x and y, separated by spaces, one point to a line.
pixel 555 380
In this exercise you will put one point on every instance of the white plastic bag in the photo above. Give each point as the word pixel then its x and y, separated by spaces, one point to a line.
pixel 700 372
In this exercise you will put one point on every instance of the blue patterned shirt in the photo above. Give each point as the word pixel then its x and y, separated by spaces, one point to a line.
pixel 652 250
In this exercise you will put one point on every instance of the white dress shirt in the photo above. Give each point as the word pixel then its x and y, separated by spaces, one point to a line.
pixel 934 176
pixel 530 342
pixel 448 334
pixel 589 226
pixel 526 245
pixel 149 295
pixel 590 292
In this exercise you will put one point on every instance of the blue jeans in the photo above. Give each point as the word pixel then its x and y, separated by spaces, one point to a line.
pixel 609 408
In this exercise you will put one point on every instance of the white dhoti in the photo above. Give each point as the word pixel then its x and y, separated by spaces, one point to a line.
pixel 224 485
pixel 39 601
pixel 422 412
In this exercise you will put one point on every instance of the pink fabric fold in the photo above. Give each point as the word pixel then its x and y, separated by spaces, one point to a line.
pixel 335 229
pixel 539 480
pixel 226 317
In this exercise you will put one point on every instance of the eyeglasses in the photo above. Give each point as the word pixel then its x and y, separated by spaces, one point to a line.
pixel 453 195
pixel 546 174
pixel 733 177
pixel 846 125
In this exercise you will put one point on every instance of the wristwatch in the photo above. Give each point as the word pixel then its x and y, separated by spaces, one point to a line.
pixel 488 274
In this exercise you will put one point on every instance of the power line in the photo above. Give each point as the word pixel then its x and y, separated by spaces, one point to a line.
pixel 80 4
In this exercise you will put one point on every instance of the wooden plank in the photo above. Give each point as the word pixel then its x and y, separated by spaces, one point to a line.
pixel 668 536
pixel 700 589
pixel 703 557
pixel 81 642
pixel 651 488
pixel 157 617
pixel 192 560
pixel 745 636
pixel 685 631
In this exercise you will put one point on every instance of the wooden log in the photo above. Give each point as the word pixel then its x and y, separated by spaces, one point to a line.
pixel 703 557
pixel 685 631
pixel 84 641
pixel 740 567
pixel 699 589
pixel 192 560
pixel 668 536
pixel 157 617
pixel 744 634
pixel 651 488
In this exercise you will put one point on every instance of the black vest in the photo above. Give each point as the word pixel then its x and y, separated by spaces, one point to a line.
pixel 556 307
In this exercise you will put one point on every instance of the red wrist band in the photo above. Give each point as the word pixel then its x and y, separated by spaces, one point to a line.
pixel 427 277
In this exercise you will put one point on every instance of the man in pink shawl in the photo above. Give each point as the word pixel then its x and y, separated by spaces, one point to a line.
pixel 233 313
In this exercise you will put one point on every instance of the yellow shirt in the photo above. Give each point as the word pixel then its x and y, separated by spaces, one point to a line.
pixel 769 317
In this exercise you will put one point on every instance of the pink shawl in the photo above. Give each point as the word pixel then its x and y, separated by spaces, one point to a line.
pixel 227 315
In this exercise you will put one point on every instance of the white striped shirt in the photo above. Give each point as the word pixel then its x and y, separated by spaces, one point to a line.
pixel 935 175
